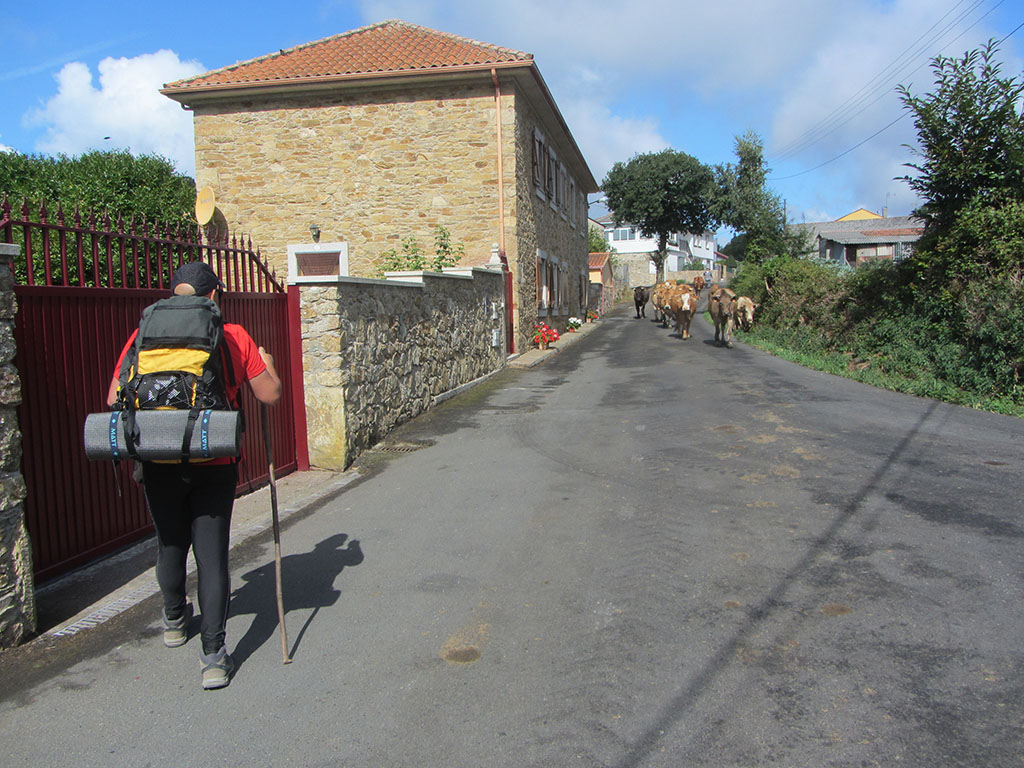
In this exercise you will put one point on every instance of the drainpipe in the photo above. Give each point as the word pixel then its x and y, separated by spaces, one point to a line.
pixel 501 163
pixel 509 304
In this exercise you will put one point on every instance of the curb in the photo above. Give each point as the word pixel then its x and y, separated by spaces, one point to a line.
pixel 245 524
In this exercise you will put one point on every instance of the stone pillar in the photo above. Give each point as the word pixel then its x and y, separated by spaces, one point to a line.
pixel 17 587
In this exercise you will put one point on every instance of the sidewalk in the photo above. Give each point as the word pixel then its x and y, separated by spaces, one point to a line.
pixel 534 356
pixel 91 595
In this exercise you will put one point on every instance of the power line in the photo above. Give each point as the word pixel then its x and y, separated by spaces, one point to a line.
pixel 904 114
pixel 841 154
pixel 879 85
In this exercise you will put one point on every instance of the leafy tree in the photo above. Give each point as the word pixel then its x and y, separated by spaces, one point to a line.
pixel 970 171
pixel 745 203
pixel 736 247
pixel 596 242
pixel 145 188
pixel 661 193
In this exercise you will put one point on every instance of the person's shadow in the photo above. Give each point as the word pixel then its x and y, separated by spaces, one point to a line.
pixel 307 582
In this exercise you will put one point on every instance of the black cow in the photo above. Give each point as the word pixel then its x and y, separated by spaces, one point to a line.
pixel 641 295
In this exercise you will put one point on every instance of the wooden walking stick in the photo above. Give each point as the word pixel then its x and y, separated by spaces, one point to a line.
pixel 265 418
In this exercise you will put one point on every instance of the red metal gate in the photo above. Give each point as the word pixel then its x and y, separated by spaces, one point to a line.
pixel 80 293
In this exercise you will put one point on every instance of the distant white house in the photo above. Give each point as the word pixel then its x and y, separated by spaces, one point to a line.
pixel 683 248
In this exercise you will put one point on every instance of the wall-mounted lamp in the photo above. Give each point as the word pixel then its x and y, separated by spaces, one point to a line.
pixel 314 231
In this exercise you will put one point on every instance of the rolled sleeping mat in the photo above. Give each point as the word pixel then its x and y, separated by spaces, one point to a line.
pixel 161 433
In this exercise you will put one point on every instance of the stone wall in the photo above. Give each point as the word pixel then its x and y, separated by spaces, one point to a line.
pixel 639 268
pixel 17 590
pixel 377 353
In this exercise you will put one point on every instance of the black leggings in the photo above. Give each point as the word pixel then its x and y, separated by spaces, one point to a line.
pixel 191 506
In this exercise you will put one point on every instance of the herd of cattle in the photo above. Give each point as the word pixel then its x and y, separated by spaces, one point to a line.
pixel 679 302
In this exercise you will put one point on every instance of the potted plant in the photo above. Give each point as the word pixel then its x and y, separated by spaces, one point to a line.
pixel 543 334
pixel 573 323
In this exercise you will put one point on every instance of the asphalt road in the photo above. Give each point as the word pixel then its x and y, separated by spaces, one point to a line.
pixel 644 552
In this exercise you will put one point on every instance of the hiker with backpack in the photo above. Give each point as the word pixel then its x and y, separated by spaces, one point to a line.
pixel 183 356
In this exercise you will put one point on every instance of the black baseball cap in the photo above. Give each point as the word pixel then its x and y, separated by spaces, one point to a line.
pixel 199 275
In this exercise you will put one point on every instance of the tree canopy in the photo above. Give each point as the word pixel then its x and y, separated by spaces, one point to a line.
pixel 146 188
pixel 744 202
pixel 596 242
pixel 970 167
pixel 661 193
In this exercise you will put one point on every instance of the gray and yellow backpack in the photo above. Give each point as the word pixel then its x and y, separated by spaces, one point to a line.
pixel 179 361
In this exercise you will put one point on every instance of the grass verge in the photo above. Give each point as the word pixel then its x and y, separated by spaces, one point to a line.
pixel 806 349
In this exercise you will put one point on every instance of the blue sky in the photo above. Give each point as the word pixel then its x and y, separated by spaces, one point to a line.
pixel 814 78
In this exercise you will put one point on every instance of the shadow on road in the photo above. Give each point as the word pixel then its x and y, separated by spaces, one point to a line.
pixel 307 582
pixel 686 700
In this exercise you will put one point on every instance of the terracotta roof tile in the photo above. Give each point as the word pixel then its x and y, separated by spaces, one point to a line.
pixel 387 47
pixel 598 260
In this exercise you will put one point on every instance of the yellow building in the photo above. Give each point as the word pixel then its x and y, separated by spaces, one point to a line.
pixel 859 215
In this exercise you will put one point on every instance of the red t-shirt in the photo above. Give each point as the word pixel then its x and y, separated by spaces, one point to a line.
pixel 245 360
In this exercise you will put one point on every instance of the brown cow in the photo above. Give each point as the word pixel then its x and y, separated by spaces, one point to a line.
pixel 698 284
pixel 658 298
pixel 726 308
pixel 745 308
pixel 681 307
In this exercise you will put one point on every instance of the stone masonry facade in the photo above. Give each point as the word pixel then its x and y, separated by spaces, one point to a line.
pixel 541 228
pixel 369 168
pixel 17 591
pixel 377 353
pixel 372 167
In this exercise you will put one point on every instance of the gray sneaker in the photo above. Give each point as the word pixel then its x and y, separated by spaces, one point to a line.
pixel 217 668
pixel 176 632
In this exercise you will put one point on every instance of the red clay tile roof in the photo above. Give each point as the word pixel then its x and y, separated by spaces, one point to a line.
pixel 598 260
pixel 386 48
pixel 893 232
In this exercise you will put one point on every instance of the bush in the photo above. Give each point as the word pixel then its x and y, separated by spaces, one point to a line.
pixel 412 257
pixel 882 325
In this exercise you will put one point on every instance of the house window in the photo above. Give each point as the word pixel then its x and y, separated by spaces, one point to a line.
pixel 563 191
pixel 552 285
pixel 624 233
pixel 551 183
pixel 571 202
pixel 540 157
pixel 552 279
pixel 542 281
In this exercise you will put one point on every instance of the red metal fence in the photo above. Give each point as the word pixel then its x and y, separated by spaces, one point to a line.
pixel 81 289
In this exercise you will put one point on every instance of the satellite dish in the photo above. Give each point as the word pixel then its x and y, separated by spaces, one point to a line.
pixel 205 205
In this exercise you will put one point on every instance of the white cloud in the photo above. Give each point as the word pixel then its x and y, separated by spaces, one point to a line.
pixel 605 138
pixel 5 148
pixel 846 94
pixel 126 107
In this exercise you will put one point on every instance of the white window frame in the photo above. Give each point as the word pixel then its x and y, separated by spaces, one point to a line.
pixel 543 289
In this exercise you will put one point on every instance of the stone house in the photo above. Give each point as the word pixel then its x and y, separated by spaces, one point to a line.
pixel 387 132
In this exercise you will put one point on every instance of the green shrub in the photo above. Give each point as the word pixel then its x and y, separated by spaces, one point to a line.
pixel 883 325
pixel 412 257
